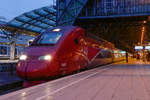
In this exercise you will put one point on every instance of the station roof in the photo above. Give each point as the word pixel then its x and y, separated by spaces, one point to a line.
pixel 33 22
pixel 2 24
pixel 28 25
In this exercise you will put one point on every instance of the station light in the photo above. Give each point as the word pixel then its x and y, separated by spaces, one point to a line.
pixel 116 51
pixel 144 21
pixel 46 57
pixel 123 52
pixel 29 42
pixel 23 57
pixel 56 30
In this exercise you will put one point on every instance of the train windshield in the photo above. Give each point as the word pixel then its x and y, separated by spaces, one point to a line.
pixel 48 38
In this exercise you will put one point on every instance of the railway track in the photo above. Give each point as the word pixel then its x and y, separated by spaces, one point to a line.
pixel 10 87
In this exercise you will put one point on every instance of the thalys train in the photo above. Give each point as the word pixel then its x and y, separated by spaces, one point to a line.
pixel 61 51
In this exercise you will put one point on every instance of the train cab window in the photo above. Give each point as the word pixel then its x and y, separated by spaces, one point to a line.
pixel 49 38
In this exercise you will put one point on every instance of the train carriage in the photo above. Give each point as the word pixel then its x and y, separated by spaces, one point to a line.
pixel 61 51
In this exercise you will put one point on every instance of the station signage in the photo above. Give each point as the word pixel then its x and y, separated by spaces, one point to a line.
pixel 116 51
pixel 147 47
pixel 123 52
pixel 138 47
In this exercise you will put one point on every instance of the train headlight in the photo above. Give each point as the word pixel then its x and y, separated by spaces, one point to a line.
pixel 46 57
pixel 23 57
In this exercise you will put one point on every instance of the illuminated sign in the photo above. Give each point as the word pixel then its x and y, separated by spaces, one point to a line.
pixel 123 52
pixel 115 51
pixel 147 47
pixel 138 47
pixel 56 30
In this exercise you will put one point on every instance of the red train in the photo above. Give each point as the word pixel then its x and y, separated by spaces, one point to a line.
pixel 61 51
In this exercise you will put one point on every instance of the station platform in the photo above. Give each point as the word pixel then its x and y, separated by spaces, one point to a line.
pixel 119 81
pixel 6 78
pixel 8 65
pixel 9 81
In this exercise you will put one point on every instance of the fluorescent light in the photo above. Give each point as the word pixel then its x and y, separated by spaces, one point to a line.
pixel 147 47
pixel 56 30
pixel 138 47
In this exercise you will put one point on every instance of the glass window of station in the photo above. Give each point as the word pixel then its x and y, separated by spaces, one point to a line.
pixel 3 50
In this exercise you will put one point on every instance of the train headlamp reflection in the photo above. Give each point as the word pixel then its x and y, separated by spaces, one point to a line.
pixel 46 57
pixel 23 57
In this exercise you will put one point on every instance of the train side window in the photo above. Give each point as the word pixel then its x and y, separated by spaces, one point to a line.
pixel 107 54
pixel 76 40
pixel 100 56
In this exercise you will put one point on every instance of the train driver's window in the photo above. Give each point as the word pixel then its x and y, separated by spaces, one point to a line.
pixel 49 38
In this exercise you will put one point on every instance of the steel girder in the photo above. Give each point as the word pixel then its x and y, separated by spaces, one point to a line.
pixel 115 8
pixel 68 11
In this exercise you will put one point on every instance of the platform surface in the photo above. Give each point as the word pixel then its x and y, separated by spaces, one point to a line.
pixel 119 81
pixel 7 78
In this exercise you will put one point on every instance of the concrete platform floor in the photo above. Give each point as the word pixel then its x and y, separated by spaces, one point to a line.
pixel 119 81
pixel 8 78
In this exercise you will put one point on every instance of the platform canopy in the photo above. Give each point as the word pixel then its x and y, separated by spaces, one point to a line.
pixel 2 24
pixel 33 22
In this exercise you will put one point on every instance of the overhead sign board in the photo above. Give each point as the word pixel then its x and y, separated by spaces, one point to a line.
pixel 138 47
pixel 147 47
pixel 123 52
pixel 116 51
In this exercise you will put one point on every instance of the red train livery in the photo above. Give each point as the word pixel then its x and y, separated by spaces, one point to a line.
pixel 60 51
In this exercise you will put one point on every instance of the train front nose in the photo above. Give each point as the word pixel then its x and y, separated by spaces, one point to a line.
pixel 34 67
